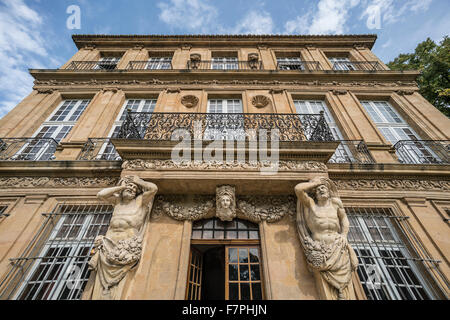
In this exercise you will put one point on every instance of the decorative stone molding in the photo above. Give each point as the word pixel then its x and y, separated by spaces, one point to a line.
pixel 197 207
pixel 276 91
pixel 113 89
pixel 394 184
pixel 260 101
pixel 265 208
pixel 225 203
pixel 339 92
pixel 195 60
pixel 89 47
pixel 46 182
pixel 268 83
pixel 184 207
pixel 189 101
pixel 284 165
pixel 186 46
pixel 46 91
pixel 173 90
pixel 405 92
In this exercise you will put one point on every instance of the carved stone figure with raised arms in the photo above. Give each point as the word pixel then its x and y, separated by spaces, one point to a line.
pixel 120 249
pixel 323 226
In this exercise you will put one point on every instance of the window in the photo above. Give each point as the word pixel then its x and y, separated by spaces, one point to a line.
pixel 395 129
pixel 224 63
pixel 43 145
pixel 107 63
pixel 293 63
pixel 159 63
pixel 107 151
pixel 342 64
pixel 58 269
pixel 224 120
pixel 388 268
pixel 343 153
pixel 225 261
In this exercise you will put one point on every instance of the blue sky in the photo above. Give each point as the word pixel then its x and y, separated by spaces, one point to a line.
pixel 33 33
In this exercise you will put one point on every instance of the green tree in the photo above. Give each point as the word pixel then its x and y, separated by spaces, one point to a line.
pixel 433 61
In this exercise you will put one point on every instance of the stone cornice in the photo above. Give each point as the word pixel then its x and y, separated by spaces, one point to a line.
pixel 218 40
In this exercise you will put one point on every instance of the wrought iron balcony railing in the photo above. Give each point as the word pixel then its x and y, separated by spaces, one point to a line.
pixel 233 126
pixel 27 149
pixel 149 65
pixel 218 65
pixel 92 65
pixel 99 149
pixel 357 66
pixel 352 151
pixel 299 65
pixel 423 151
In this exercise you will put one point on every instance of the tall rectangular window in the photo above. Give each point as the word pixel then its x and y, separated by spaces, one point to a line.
pixel 342 64
pixel 43 145
pixel 290 63
pixel 57 266
pixel 389 269
pixel 224 63
pixel 107 63
pixel 224 120
pixel 159 63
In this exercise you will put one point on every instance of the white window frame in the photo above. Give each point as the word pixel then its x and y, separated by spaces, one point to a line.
pixel 159 63
pixel 342 64
pixel 224 63
pixel 233 106
pixel 285 63
pixel 394 128
pixel 314 107
pixel 107 61
pixel 384 278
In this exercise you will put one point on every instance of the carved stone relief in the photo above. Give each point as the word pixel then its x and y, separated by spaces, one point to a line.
pixel 284 165
pixel 225 203
pixel 189 101
pixel 260 101
pixel 393 184
pixel 46 182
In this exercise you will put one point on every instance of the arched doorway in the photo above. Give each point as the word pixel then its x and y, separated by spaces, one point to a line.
pixel 225 261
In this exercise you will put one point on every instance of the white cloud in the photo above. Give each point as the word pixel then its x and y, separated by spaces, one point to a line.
pixel 255 23
pixel 193 15
pixel 329 17
pixel 21 42
pixel 391 13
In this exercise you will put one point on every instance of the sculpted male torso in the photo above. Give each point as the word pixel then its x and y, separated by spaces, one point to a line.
pixel 326 218
pixel 129 208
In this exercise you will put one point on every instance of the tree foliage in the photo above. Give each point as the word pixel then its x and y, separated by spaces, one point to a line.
pixel 433 61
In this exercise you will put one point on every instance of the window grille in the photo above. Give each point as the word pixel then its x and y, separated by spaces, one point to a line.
pixel 55 264
pixel 217 229
pixel 293 63
pixel 229 127
pixel 389 267
pixel 107 63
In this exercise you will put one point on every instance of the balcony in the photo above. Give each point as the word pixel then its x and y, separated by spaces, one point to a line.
pixel 92 65
pixel 27 149
pixel 149 65
pixel 225 66
pixel 299 65
pixel 352 151
pixel 423 151
pixel 158 126
pixel 99 149
pixel 357 66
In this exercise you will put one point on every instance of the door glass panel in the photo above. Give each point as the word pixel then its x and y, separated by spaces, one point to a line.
pixel 233 272
pixel 245 291
pixel 243 271
pixel 233 291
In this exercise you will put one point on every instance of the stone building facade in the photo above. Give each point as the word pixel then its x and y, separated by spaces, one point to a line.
pixel 110 113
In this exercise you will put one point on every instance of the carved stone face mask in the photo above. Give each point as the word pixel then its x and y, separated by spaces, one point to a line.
pixel 225 202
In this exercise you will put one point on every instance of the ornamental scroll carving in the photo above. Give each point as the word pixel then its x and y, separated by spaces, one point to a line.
pixel 394 184
pixel 284 165
pixel 197 207
pixel 46 182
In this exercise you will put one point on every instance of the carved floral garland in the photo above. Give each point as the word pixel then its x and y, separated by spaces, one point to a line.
pixel 30 182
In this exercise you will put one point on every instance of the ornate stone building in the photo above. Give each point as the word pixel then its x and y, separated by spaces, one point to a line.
pixel 104 124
